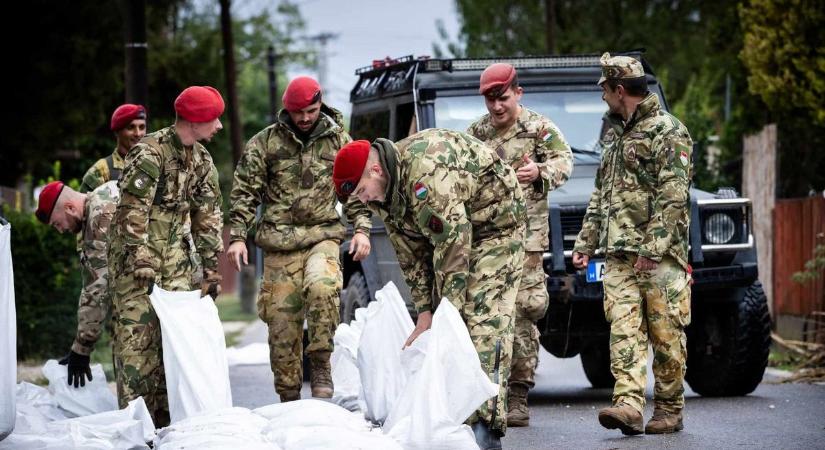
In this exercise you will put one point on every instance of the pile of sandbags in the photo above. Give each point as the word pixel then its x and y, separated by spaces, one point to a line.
pixel 422 394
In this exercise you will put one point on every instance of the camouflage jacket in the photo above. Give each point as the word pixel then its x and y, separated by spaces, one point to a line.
pixel 450 191
pixel 293 182
pixel 163 185
pixel 105 169
pixel 94 302
pixel 641 201
pixel 536 136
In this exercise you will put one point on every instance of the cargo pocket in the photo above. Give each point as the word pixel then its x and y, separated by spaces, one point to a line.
pixel 264 299
pixel 678 301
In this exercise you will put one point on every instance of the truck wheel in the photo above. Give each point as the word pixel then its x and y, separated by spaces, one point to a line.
pixel 728 346
pixel 596 363
pixel 355 296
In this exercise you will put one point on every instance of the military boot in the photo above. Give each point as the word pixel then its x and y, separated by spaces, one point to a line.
pixel 517 413
pixel 624 417
pixel 288 396
pixel 486 438
pixel 320 377
pixel 664 422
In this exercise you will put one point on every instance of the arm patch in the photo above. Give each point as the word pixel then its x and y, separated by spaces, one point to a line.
pixel 433 225
pixel 142 178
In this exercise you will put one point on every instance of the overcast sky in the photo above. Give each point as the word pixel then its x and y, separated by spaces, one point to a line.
pixel 367 30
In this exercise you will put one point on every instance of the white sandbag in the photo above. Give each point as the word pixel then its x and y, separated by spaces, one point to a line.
pixel 35 408
pixel 129 428
pixel 328 437
pixel 228 428
pixel 386 329
pixel 93 398
pixel 311 412
pixel 256 353
pixel 345 376
pixel 8 335
pixel 444 391
pixel 194 353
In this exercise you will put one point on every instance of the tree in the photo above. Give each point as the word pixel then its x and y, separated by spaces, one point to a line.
pixel 785 55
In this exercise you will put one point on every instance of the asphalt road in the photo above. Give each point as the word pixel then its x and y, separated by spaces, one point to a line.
pixel 563 410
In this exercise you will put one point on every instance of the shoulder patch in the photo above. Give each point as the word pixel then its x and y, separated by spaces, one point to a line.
pixel 545 136
pixel 421 190
pixel 433 225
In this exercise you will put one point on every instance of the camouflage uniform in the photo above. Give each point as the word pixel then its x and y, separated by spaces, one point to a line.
pixel 640 207
pixel 300 232
pixel 94 302
pixel 455 215
pixel 103 170
pixel 111 168
pixel 536 136
pixel 163 185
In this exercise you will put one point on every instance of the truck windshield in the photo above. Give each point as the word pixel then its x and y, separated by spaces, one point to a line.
pixel 577 114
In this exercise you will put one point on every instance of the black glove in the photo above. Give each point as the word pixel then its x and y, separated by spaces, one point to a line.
pixel 78 366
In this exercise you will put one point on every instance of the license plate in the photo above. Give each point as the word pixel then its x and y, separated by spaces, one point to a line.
pixel 595 271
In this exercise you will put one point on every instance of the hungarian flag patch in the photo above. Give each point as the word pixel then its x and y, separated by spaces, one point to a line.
pixel 683 158
pixel 420 190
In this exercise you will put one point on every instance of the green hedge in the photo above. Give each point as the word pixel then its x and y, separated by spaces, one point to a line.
pixel 46 286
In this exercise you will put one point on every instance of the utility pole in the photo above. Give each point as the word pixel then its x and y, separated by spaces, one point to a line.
pixel 136 48
pixel 322 39
pixel 271 65
pixel 235 127
pixel 550 26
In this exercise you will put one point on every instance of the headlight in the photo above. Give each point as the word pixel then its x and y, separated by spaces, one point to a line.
pixel 719 228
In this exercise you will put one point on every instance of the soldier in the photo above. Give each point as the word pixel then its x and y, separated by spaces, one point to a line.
pixel 287 168
pixel 169 178
pixel 455 215
pixel 88 215
pixel 536 149
pixel 638 217
pixel 129 125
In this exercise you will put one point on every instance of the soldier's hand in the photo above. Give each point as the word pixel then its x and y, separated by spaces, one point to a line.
pixel 237 253
pixel 359 246
pixel 144 276
pixel 645 264
pixel 580 260
pixel 529 171
pixel 211 284
pixel 78 368
pixel 425 321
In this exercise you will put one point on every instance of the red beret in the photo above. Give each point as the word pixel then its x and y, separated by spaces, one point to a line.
pixel 496 78
pixel 199 104
pixel 48 197
pixel 125 114
pixel 300 93
pixel 349 166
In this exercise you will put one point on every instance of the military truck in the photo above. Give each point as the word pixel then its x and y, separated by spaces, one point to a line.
pixel 729 338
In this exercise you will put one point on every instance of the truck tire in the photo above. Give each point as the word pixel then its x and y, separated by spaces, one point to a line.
pixel 355 296
pixel 596 363
pixel 728 346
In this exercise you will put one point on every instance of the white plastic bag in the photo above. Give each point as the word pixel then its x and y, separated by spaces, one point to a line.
pixel 129 428
pixel 444 391
pixel 36 407
pixel 194 353
pixel 8 335
pixel 344 362
pixel 228 428
pixel 93 398
pixel 386 329
pixel 316 424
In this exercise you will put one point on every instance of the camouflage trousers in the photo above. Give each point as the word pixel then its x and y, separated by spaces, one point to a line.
pixel 647 307
pixel 138 352
pixel 531 304
pixel 299 284
pixel 495 273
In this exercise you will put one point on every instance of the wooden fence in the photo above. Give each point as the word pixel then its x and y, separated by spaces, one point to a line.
pixel 797 223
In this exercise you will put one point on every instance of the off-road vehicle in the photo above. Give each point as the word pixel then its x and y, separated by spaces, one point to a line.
pixel 729 337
